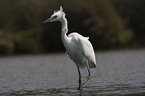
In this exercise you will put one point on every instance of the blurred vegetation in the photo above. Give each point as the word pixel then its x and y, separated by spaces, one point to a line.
pixel 108 23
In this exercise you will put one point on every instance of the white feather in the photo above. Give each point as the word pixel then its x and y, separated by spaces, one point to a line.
pixel 80 50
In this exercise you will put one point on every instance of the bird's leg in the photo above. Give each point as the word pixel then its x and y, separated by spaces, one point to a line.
pixel 89 77
pixel 80 78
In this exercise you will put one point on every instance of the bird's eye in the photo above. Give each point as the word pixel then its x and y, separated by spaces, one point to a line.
pixel 54 17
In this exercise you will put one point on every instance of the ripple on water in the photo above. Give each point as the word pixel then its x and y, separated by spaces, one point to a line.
pixel 118 73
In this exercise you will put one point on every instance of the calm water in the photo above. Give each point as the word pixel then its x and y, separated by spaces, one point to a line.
pixel 117 73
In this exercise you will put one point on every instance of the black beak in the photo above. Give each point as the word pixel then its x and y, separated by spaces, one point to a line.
pixel 46 21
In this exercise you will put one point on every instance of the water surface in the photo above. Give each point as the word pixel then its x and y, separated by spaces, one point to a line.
pixel 117 73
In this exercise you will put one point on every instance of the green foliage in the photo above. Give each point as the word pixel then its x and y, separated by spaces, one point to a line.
pixel 20 42
pixel 27 41
pixel 126 36
pixel 6 44
pixel 105 21
pixel 108 24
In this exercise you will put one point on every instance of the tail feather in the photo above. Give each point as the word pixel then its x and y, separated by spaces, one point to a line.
pixel 92 65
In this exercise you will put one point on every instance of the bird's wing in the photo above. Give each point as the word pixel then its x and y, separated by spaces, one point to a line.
pixel 85 47
pixel 82 42
pixel 77 36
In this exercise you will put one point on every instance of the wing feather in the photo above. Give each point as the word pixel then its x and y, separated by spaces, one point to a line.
pixel 85 47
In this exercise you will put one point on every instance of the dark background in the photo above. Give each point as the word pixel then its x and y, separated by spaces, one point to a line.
pixel 110 24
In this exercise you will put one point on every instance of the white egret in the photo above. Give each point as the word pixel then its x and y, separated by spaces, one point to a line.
pixel 78 48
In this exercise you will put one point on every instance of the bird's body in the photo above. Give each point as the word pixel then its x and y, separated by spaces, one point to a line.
pixel 78 48
pixel 83 52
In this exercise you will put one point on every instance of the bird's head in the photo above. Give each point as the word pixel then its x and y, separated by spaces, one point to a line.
pixel 56 16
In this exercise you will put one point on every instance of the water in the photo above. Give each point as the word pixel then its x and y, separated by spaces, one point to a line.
pixel 117 73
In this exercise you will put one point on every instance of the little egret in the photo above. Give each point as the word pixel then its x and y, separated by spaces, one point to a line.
pixel 78 48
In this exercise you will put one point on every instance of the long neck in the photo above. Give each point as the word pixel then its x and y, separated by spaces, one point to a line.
pixel 64 30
